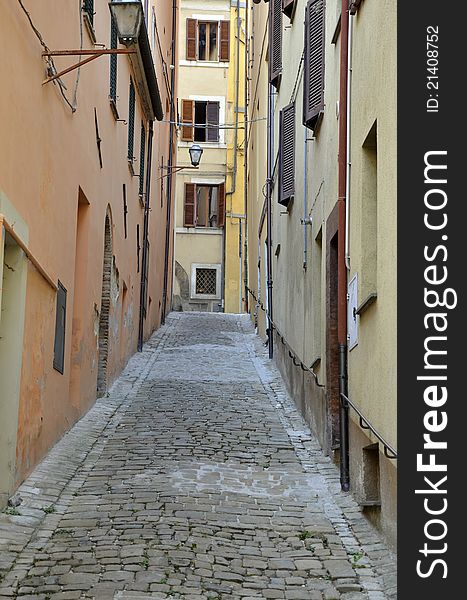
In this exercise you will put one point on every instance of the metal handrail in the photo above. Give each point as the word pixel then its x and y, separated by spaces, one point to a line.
pixel 292 354
pixel 389 451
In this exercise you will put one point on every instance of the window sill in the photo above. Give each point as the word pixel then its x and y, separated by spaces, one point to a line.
pixel 207 145
pixel 200 230
pixel 131 168
pixel 89 27
pixel 205 63
pixel 365 305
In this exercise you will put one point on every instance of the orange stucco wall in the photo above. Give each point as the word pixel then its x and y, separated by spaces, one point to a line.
pixel 50 173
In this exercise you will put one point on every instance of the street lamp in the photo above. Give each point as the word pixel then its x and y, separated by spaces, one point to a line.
pixel 195 154
pixel 128 16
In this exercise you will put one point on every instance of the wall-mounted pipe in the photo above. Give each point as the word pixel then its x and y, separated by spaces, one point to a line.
pixel 170 163
pixel 306 221
pixel 269 214
pixel 349 132
pixel 145 257
pixel 341 246
pixel 245 155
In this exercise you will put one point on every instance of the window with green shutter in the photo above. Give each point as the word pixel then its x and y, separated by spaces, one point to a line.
pixel 131 122
pixel 113 62
pixel 142 153
pixel 60 326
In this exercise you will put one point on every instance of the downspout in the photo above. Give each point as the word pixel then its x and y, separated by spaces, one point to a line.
pixel 170 164
pixel 145 258
pixel 306 217
pixel 349 163
pixel 270 126
pixel 245 155
pixel 233 189
pixel 341 249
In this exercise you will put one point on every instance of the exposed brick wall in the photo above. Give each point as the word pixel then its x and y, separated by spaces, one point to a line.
pixel 332 349
pixel 104 316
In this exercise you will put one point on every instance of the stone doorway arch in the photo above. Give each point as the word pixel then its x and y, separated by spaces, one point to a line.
pixel 104 315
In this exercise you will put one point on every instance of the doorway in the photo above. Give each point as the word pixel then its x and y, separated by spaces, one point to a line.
pixel 13 277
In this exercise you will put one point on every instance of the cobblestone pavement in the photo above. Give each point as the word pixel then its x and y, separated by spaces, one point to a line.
pixel 195 478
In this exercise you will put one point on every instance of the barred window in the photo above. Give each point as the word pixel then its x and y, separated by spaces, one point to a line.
pixel 113 62
pixel 142 156
pixel 206 281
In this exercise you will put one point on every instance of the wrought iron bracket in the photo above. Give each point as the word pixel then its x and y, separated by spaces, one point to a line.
pixel 91 55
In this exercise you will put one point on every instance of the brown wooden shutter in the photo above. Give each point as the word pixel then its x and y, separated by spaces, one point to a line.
pixel 191 39
pixel 288 7
pixel 313 88
pixel 188 113
pixel 221 206
pixel 275 41
pixel 224 47
pixel 212 120
pixel 189 213
pixel 287 154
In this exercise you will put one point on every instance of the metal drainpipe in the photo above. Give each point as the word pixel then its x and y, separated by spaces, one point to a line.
pixel 349 163
pixel 341 268
pixel 170 164
pixel 232 191
pixel 269 210
pixel 245 157
pixel 306 216
pixel 145 257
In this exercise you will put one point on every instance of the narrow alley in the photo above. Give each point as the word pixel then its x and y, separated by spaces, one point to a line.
pixel 195 477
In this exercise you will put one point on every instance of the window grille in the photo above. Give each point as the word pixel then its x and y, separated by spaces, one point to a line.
pixel 131 121
pixel 206 281
pixel 142 154
pixel 113 62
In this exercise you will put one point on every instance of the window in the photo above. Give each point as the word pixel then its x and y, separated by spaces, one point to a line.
pixel 205 281
pixel 200 121
pixel 60 325
pixel 369 214
pixel 287 154
pixel 125 212
pixel 288 7
pixel 131 122
pixel 275 41
pixel 207 40
pixel 113 63
pixel 313 77
pixel 88 8
pixel 204 205
pixel 142 154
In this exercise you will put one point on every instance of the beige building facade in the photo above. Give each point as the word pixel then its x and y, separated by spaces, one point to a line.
pixel 305 224
pixel 75 172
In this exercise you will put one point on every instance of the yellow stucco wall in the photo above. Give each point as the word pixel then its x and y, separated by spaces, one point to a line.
pixel 300 295
pixel 372 363
pixel 235 205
